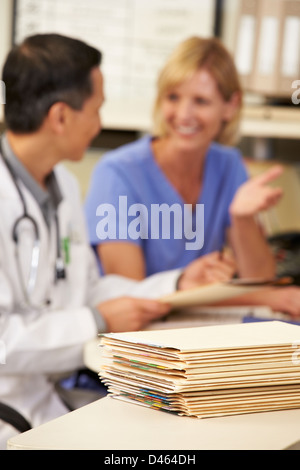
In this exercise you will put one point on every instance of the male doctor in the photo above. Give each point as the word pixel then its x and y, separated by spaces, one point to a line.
pixel 52 300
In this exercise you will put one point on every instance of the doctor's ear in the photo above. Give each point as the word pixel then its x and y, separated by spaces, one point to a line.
pixel 59 117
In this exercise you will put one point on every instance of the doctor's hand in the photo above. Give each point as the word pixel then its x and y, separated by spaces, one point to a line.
pixel 131 314
pixel 214 267
pixel 255 195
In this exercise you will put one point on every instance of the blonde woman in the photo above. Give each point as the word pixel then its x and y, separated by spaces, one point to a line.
pixel 177 197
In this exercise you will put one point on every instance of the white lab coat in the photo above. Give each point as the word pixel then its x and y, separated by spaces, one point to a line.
pixel 36 342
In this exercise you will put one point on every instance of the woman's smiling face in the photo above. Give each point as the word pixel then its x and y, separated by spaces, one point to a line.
pixel 194 111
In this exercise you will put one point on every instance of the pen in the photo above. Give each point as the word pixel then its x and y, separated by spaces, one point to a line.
pixel 281 281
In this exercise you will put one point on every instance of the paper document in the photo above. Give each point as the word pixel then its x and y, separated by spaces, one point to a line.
pixel 217 292
pixel 205 371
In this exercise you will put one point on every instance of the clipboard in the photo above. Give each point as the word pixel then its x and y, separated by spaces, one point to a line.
pixel 217 292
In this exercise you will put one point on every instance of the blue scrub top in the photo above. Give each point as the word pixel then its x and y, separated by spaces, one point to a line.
pixel 130 199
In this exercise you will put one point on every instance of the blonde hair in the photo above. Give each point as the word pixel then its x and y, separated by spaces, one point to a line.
pixel 190 56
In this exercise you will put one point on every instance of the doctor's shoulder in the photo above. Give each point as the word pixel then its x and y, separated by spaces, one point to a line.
pixel 68 182
pixel 7 187
pixel 70 210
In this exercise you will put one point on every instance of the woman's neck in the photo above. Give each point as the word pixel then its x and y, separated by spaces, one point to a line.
pixel 183 169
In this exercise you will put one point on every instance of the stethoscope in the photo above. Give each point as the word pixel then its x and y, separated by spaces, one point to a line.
pixel 60 271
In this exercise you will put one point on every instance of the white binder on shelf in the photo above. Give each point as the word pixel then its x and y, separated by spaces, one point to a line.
pixel 264 78
pixel 246 40
pixel 267 51
pixel 289 52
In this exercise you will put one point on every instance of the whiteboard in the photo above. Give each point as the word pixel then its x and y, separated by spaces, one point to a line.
pixel 135 37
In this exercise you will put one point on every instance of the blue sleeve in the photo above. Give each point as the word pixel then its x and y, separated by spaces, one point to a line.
pixel 106 205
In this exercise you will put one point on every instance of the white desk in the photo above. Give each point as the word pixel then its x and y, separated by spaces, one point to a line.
pixel 109 424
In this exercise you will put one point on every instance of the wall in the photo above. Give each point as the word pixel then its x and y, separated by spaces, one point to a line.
pixel 285 150
pixel 5 28
pixel 6 9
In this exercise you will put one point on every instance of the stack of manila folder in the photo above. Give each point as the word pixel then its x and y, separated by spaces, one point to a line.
pixel 205 371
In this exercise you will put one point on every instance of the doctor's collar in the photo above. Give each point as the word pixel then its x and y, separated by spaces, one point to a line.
pixel 52 195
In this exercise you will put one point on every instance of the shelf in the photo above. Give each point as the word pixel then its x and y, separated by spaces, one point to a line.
pixel 258 121
pixel 271 122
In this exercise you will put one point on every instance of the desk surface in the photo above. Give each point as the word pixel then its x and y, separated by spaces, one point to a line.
pixel 109 424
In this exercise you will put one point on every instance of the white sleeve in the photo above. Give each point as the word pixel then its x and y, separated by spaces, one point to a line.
pixel 53 341
pixel 157 285
pixel 41 341
pixel 45 342
pixel 112 285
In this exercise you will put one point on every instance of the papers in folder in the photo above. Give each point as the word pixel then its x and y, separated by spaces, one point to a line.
pixel 219 291
pixel 206 371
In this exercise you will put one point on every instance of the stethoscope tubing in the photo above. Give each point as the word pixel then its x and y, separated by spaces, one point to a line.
pixel 35 256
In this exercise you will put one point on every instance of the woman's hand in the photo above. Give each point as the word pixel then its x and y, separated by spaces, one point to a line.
pixel 283 300
pixel 214 267
pixel 253 255
pixel 255 195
